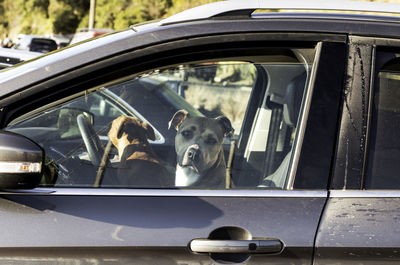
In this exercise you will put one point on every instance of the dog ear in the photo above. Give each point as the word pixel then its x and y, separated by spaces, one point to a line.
pixel 150 134
pixel 116 126
pixel 225 124
pixel 177 119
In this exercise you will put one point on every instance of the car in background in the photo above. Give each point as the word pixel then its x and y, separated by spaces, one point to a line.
pixel 62 41
pixel 43 45
pixel 9 57
pixel 85 33
pixel 311 173
pixel 35 43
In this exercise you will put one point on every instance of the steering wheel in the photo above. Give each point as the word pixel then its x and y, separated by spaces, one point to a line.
pixel 91 139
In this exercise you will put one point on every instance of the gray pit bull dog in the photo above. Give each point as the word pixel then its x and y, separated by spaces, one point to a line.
pixel 198 145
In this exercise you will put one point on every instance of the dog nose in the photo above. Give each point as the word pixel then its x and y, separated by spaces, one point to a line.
pixel 191 154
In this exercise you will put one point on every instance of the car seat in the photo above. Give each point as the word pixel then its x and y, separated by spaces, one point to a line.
pixel 291 109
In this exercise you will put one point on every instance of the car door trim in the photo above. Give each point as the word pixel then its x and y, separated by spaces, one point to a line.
pixel 305 109
pixel 375 41
pixel 261 193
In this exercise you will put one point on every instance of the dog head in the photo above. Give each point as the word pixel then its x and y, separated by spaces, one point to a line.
pixel 129 131
pixel 198 142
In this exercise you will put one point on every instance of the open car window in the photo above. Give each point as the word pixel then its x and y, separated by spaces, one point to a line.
pixel 216 124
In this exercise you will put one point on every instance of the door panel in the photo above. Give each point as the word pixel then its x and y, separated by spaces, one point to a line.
pixel 139 226
pixel 359 228
pixel 88 224
pixel 360 223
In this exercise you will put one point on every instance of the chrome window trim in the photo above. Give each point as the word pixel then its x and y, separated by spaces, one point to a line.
pixel 305 109
pixel 171 193
pixel 364 194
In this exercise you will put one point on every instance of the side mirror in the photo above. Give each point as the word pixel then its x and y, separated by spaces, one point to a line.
pixel 21 161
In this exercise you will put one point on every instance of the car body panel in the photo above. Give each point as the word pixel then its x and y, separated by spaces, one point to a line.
pixel 144 223
pixel 323 217
pixel 354 117
pixel 359 226
pixel 133 221
pixel 106 221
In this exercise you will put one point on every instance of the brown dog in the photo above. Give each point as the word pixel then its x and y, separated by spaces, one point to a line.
pixel 139 166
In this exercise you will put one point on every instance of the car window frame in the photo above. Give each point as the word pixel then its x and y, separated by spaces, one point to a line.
pixel 351 161
pixel 383 49
pixel 296 42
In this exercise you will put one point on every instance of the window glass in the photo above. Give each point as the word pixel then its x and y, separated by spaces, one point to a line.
pixel 214 124
pixel 384 149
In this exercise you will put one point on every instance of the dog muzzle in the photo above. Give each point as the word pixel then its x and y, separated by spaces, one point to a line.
pixel 191 156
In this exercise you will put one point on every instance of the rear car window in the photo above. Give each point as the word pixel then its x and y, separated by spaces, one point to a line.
pixel 384 147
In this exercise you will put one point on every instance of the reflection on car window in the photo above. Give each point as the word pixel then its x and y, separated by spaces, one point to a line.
pixel 384 143
pixel 216 124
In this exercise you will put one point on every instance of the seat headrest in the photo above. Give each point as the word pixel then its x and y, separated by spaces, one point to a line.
pixel 293 98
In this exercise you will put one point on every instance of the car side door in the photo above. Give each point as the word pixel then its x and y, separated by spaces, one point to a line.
pixel 361 221
pixel 278 162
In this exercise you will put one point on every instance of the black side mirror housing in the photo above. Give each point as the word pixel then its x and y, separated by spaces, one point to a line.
pixel 21 161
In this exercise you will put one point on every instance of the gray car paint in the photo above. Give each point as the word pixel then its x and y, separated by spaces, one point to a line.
pixel 357 229
pixel 148 224
pixel 358 226
pixel 70 224
pixel 144 225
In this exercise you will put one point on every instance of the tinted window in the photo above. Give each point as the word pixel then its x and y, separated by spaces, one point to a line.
pixel 217 124
pixel 384 149
pixel 42 45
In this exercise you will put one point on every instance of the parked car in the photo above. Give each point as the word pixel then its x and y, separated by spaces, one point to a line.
pixel 9 57
pixel 85 34
pixel 35 43
pixel 310 173
pixel 43 45
pixel 62 41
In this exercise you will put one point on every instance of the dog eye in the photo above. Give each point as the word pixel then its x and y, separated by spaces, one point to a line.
pixel 186 133
pixel 211 141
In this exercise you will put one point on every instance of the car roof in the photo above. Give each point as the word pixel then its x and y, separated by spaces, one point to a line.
pixel 229 8
pixel 228 22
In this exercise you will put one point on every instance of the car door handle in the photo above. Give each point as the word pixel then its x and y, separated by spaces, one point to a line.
pixel 265 246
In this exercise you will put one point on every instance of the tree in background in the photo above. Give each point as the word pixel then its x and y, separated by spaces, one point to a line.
pixel 65 15
pixel 180 5
pixel 41 17
pixel 120 14
pixel 3 21
pixel 34 17
pixel 46 17
pixel 114 14
pixel 156 9
pixel 11 23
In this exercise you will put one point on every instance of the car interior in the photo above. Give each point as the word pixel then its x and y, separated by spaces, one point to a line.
pixel 266 148
pixel 73 131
